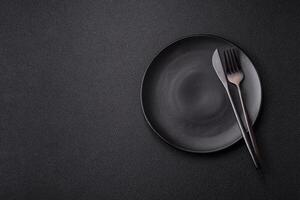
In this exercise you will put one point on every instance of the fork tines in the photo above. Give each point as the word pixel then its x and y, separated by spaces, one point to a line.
pixel 232 64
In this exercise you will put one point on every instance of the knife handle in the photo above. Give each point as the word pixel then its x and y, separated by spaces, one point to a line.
pixel 246 139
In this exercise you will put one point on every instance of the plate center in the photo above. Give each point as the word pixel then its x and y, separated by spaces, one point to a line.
pixel 196 98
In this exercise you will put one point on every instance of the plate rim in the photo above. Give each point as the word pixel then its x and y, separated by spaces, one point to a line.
pixel 143 80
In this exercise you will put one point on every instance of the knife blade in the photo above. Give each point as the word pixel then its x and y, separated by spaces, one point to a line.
pixel 217 64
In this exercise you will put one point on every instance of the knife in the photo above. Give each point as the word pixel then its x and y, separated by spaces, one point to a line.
pixel 218 67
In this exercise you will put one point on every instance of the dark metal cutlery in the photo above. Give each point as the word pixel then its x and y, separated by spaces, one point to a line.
pixel 235 76
pixel 234 73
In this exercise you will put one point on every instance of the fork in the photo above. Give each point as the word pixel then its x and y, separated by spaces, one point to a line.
pixel 235 76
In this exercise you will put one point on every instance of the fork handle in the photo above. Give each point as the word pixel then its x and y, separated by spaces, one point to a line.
pixel 248 123
pixel 246 139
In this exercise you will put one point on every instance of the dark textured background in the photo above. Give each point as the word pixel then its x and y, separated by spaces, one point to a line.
pixel 70 116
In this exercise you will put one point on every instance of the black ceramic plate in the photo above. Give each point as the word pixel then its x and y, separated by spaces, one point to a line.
pixel 185 103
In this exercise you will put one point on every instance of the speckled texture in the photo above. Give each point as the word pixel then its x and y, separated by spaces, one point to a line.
pixel 71 125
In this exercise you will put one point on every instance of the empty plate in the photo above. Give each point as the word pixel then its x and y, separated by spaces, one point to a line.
pixel 184 102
